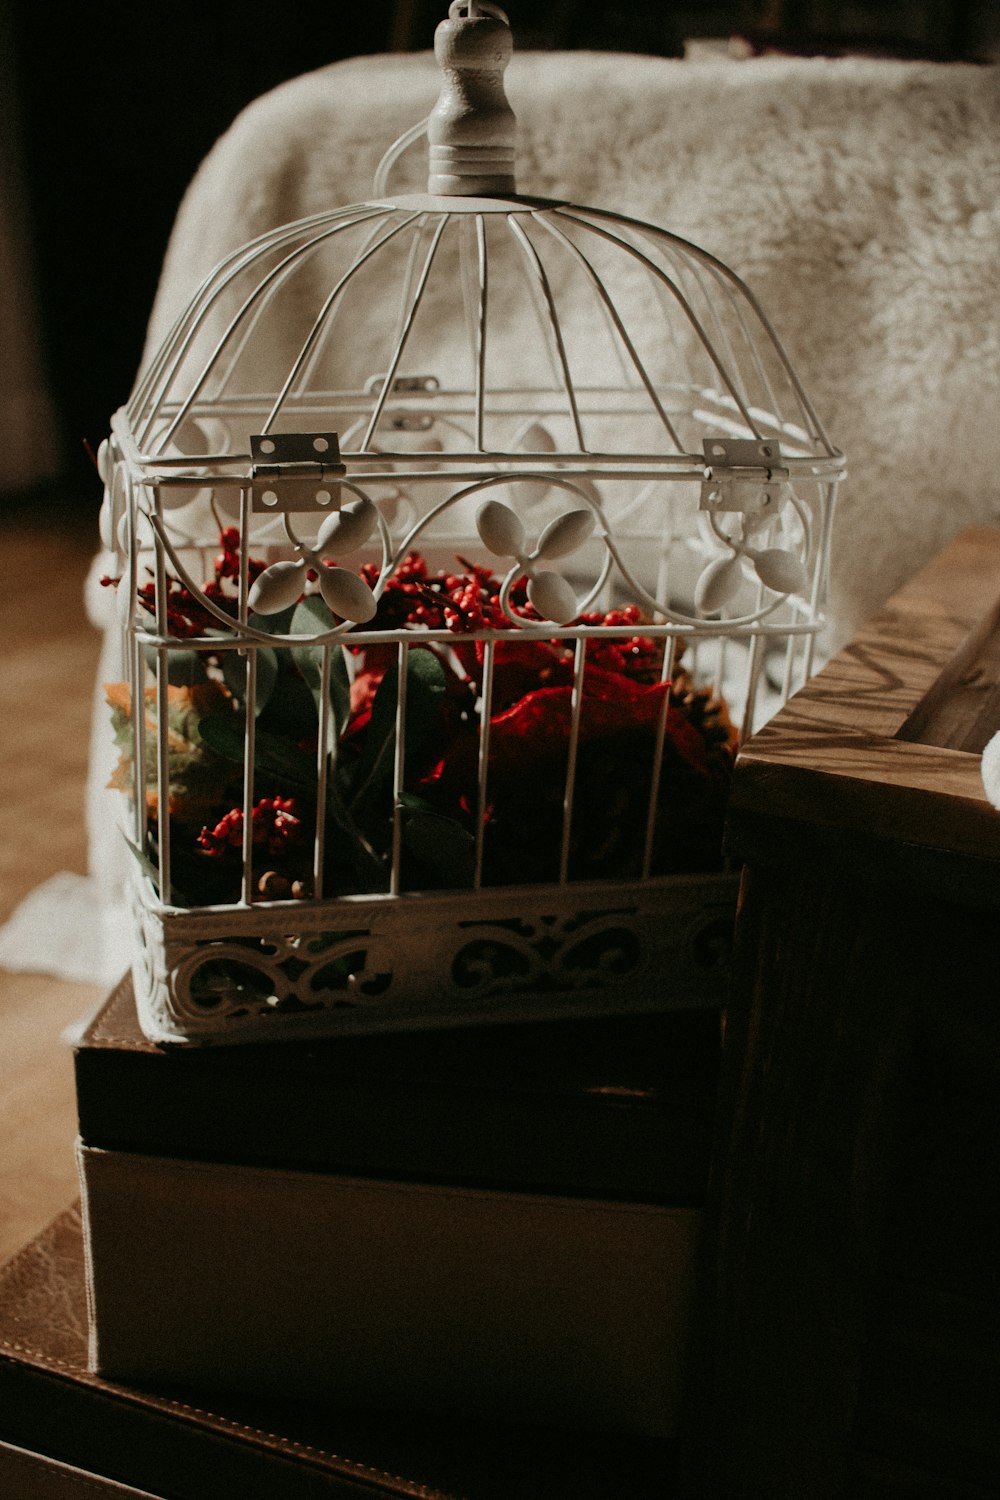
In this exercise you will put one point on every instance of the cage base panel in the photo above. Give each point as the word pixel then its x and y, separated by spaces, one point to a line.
pixel 237 974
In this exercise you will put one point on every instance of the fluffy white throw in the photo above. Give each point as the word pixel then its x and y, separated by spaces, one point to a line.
pixel 991 771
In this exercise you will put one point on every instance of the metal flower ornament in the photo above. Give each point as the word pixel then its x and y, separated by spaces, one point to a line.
pixel 502 533
pixel 281 584
pixel 741 505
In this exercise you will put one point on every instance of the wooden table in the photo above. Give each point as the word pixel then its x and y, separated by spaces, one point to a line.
pixel 49 656
pixel 852 1296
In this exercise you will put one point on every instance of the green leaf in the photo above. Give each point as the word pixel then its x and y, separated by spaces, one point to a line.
pixel 234 672
pixel 145 863
pixel 278 624
pixel 234 666
pixel 273 754
pixel 151 869
pixel 441 844
pixel 290 710
pixel 425 683
pixel 184 668
pixel 424 691
pixel 310 617
pixel 121 728
pixel 350 847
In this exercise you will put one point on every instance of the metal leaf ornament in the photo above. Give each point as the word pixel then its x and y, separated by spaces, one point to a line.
pixel 347 595
pixel 194 438
pixel 553 597
pixel 717 584
pixel 532 490
pixel 278 587
pixel 500 530
pixel 563 535
pixel 502 533
pixel 535 439
pixel 347 529
pixel 778 570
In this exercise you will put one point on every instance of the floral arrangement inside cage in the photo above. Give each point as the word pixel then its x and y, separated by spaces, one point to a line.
pixel 460 538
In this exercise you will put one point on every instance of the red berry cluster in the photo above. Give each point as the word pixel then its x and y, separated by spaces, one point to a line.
pixel 186 615
pixel 463 602
pixel 227 563
pixel 277 827
pixel 460 602
pixel 637 656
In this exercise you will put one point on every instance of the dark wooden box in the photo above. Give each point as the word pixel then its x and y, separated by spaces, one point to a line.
pixel 853 1320
pixel 621 1107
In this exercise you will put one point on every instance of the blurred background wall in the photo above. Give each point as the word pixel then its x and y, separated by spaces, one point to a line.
pixel 106 111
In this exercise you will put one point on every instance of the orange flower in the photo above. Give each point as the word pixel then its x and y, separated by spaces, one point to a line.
pixel 198 778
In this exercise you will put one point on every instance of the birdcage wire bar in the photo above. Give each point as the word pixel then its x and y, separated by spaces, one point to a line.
pixel 723 359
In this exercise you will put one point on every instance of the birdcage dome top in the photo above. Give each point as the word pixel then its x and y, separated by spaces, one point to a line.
pixel 418 355
pixel 471 322
pixel 472 328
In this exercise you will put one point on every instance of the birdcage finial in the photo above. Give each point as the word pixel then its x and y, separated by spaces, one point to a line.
pixel 472 129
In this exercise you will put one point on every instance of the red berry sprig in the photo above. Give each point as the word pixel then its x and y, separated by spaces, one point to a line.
pixel 276 828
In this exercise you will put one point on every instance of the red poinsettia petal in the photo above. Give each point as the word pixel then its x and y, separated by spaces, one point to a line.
pixel 536 729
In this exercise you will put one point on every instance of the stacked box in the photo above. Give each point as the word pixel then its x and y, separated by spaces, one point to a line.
pixel 496 1221
pixel 66 1432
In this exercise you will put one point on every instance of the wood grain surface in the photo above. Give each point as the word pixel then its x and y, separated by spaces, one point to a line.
pixel 48 665
pixel 884 743
pixel 851 1312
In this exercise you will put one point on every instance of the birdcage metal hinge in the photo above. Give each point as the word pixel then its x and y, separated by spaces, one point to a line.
pixel 295 471
pixel 403 385
pixel 406 385
pixel 742 474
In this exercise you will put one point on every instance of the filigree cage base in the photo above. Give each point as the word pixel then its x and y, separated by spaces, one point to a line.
pixel 396 963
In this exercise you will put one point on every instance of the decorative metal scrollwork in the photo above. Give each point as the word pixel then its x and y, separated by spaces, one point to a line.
pixel 267 975
pixel 548 953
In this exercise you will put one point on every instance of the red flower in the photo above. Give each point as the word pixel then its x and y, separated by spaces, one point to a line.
pixel 528 760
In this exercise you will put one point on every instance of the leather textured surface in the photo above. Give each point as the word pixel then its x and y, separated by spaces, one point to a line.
pixel 43 1289
pixel 32 1476
pixel 197 1445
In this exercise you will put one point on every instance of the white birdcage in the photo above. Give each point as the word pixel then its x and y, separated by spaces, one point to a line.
pixel 460 539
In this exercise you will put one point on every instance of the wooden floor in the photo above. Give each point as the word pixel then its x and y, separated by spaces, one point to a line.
pixel 48 666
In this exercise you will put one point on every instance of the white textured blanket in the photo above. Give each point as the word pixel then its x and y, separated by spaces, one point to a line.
pixel 859 199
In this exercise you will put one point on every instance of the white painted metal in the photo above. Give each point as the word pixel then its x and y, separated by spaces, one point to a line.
pixel 553 390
